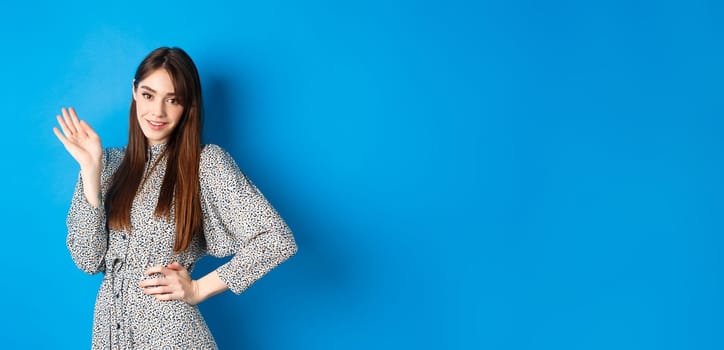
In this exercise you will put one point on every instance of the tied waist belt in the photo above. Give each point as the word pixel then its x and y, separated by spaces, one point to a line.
pixel 118 270
pixel 128 273
pixel 124 280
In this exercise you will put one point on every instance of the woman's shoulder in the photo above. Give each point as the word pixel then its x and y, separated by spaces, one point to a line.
pixel 211 149
pixel 217 158
pixel 113 156
pixel 212 152
pixel 115 151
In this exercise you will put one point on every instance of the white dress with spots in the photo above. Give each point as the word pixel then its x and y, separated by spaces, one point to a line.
pixel 237 221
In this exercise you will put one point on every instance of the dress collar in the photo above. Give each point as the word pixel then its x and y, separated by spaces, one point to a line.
pixel 155 150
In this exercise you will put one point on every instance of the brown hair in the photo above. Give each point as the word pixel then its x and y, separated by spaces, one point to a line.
pixel 180 187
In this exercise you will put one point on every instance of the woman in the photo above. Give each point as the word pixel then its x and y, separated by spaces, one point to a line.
pixel 144 214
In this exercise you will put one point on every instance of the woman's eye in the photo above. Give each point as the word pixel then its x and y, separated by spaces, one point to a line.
pixel 173 101
pixel 146 96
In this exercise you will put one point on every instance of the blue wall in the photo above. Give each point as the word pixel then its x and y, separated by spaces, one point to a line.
pixel 498 175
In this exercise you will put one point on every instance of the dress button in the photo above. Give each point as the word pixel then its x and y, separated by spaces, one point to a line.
pixel 118 326
pixel 117 295
pixel 123 236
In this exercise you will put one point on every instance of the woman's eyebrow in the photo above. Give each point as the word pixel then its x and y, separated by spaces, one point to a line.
pixel 154 91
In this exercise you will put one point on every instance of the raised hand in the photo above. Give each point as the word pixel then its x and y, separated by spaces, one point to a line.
pixel 84 145
pixel 79 139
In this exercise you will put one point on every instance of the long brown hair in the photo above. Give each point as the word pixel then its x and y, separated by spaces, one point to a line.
pixel 180 187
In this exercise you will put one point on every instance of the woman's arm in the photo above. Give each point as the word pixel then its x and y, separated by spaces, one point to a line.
pixel 87 238
pixel 238 221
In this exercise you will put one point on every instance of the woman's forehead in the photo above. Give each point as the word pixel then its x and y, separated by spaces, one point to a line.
pixel 159 81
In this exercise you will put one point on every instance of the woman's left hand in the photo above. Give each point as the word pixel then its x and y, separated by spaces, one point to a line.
pixel 176 284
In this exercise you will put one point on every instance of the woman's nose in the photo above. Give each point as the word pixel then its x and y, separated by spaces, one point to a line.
pixel 158 109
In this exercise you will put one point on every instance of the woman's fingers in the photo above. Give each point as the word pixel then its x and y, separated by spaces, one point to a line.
pixel 167 279
pixel 63 137
pixel 87 129
pixel 76 121
pixel 71 126
pixel 64 127
pixel 68 122
pixel 158 285
pixel 177 267
pixel 79 139
pixel 72 119
pixel 167 296
pixel 157 269
pixel 153 282
pixel 163 293
pixel 59 135
pixel 174 284
pixel 163 288
pixel 157 290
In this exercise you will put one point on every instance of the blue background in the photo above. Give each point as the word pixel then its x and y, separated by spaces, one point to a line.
pixel 458 174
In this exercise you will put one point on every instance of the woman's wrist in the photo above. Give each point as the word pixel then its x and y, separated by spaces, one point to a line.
pixel 208 286
pixel 91 176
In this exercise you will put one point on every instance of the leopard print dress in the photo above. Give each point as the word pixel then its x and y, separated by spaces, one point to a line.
pixel 237 220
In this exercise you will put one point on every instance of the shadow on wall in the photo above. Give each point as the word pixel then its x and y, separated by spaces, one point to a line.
pixel 218 122
pixel 317 276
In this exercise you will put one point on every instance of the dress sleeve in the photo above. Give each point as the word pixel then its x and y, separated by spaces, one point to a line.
pixel 87 237
pixel 239 220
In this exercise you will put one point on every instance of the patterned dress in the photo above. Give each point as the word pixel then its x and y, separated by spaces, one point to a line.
pixel 238 221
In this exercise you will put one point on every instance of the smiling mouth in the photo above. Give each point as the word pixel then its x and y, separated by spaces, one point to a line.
pixel 156 125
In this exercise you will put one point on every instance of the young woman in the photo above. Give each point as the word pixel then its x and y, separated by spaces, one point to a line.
pixel 144 214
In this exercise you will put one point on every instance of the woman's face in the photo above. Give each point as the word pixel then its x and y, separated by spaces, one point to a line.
pixel 157 108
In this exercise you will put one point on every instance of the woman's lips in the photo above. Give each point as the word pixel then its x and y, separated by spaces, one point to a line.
pixel 156 125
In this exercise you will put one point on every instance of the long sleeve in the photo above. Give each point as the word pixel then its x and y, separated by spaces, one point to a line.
pixel 239 220
pixel 87 238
